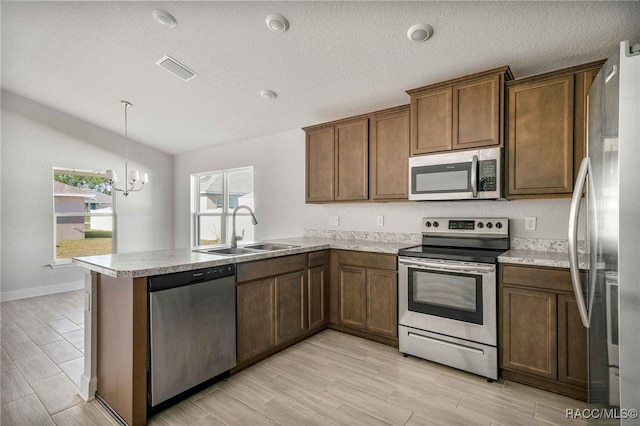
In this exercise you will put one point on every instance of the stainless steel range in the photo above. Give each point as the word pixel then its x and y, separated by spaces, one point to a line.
pixel 447 293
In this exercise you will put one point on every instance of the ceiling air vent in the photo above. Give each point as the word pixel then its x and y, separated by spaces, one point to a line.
pixel 176 68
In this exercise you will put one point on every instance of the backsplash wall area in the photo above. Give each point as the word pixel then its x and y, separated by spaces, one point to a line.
pixel 279 176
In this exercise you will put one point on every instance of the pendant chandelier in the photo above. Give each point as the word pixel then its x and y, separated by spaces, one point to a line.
pixel 133 177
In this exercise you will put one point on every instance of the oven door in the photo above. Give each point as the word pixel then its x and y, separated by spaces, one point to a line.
pixel 448 297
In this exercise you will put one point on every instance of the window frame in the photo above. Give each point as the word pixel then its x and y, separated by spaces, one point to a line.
pixel 226 213
pixel 66 261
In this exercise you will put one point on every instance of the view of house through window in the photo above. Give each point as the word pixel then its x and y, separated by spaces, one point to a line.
pixel 83 214
pixel 214 197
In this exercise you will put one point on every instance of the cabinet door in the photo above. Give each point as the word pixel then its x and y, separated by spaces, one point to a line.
pixel 583 81
pixel 540 141
pixel 320 157
pixel 572 343
pixel 476 113
pixel 291 318
pixel 352 160
pixel 256 318
pixel 317 296
pixel 431 114
pixel 389 156
pixel 529 338
pixel 382 302
pixel 353 296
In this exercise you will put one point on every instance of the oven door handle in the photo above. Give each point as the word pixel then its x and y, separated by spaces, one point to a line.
pixel 446 266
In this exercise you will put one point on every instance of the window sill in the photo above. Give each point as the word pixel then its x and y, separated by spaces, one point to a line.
pixel 59 264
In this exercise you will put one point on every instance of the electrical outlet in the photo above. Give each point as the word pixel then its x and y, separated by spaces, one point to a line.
pixel 334 220
pixel 530 223
pixel 380 220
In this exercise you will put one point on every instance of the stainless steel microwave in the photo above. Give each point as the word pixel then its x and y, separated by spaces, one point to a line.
pixel 461 175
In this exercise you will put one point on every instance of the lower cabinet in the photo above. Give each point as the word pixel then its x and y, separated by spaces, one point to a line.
pixel 366 295
pixel 279 301
pixel 543 342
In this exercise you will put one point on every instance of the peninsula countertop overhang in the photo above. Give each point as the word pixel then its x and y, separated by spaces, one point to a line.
pixel 160 262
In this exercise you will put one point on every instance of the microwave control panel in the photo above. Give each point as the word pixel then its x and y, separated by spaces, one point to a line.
pixel 487 175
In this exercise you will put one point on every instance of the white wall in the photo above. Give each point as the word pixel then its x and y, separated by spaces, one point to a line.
pixel 35 139
pixel 278 162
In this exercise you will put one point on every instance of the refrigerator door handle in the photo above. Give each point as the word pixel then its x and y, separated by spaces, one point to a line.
pixel 573 240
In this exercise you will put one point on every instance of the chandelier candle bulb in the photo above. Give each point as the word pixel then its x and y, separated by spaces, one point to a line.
pixel 145 178
pixel 112 176
pixel 134 175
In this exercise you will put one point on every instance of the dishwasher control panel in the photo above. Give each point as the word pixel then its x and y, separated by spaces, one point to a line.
pixel 178 279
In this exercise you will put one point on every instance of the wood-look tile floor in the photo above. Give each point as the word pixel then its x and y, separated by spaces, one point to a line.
pixel 329 379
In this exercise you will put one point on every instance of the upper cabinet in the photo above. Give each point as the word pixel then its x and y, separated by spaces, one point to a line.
pixel 359 158
pixel 546 131
pixel 463 113
pixel 389 155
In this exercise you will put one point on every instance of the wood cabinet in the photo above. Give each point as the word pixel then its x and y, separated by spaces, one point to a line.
pixel 279 302
pixel 318 289
pixel 337 161
pixel 547 131
pixel 352 160
pixel 389 154
pixel 542 340
pixel 462 113
pixel 320 158
pixel 359 158
pixel 364 295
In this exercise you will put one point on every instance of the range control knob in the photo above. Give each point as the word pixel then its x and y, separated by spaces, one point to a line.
pixel 480 225
pixel 498 225
pixel 436 224
pixel 489 225
pixel 427 224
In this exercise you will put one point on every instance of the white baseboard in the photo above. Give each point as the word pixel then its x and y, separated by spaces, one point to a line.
pixel 41 291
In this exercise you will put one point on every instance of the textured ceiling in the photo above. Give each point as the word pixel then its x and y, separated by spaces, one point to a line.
pixel 337 59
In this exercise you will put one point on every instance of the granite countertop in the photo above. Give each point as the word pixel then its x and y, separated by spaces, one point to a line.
pixel 142 264
pixel 554 259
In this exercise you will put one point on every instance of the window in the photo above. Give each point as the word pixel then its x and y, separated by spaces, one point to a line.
pixel 214 196
pixel 83 214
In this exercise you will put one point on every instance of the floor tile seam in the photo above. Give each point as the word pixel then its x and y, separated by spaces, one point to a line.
pixel 415 395
pixel 368 414
pixel 512 416
pixel 39 401
pixel 298 405
pixel 280 373
pixel 239 398
pixel 209 412
pixel 25 380
pixel 508 406
pixel 372 414
pixel 42 378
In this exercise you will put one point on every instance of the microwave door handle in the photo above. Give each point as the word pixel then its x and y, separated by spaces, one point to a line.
pixel 474 176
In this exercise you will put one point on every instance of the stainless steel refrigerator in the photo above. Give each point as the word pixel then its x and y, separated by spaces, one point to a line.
pixel 609 179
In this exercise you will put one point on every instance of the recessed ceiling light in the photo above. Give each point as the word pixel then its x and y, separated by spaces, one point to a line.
pixel 268 94
pixel 164 18
pixel 420 32
pixel 277 23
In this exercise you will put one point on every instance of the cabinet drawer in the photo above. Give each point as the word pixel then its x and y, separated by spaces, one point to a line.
pixel 368 260
pixel 318 258
pixel 536 277
pixel 270 267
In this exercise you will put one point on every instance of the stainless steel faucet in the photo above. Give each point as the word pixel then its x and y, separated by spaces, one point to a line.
pixel 234 237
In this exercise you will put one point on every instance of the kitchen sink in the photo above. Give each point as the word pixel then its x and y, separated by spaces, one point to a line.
pixel 271 246
pixel 230 251
pixel 248 249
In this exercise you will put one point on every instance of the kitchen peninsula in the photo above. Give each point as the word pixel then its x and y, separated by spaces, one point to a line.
pixel 116 306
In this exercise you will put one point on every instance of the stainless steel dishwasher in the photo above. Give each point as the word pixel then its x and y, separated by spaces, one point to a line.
pixel 192 330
